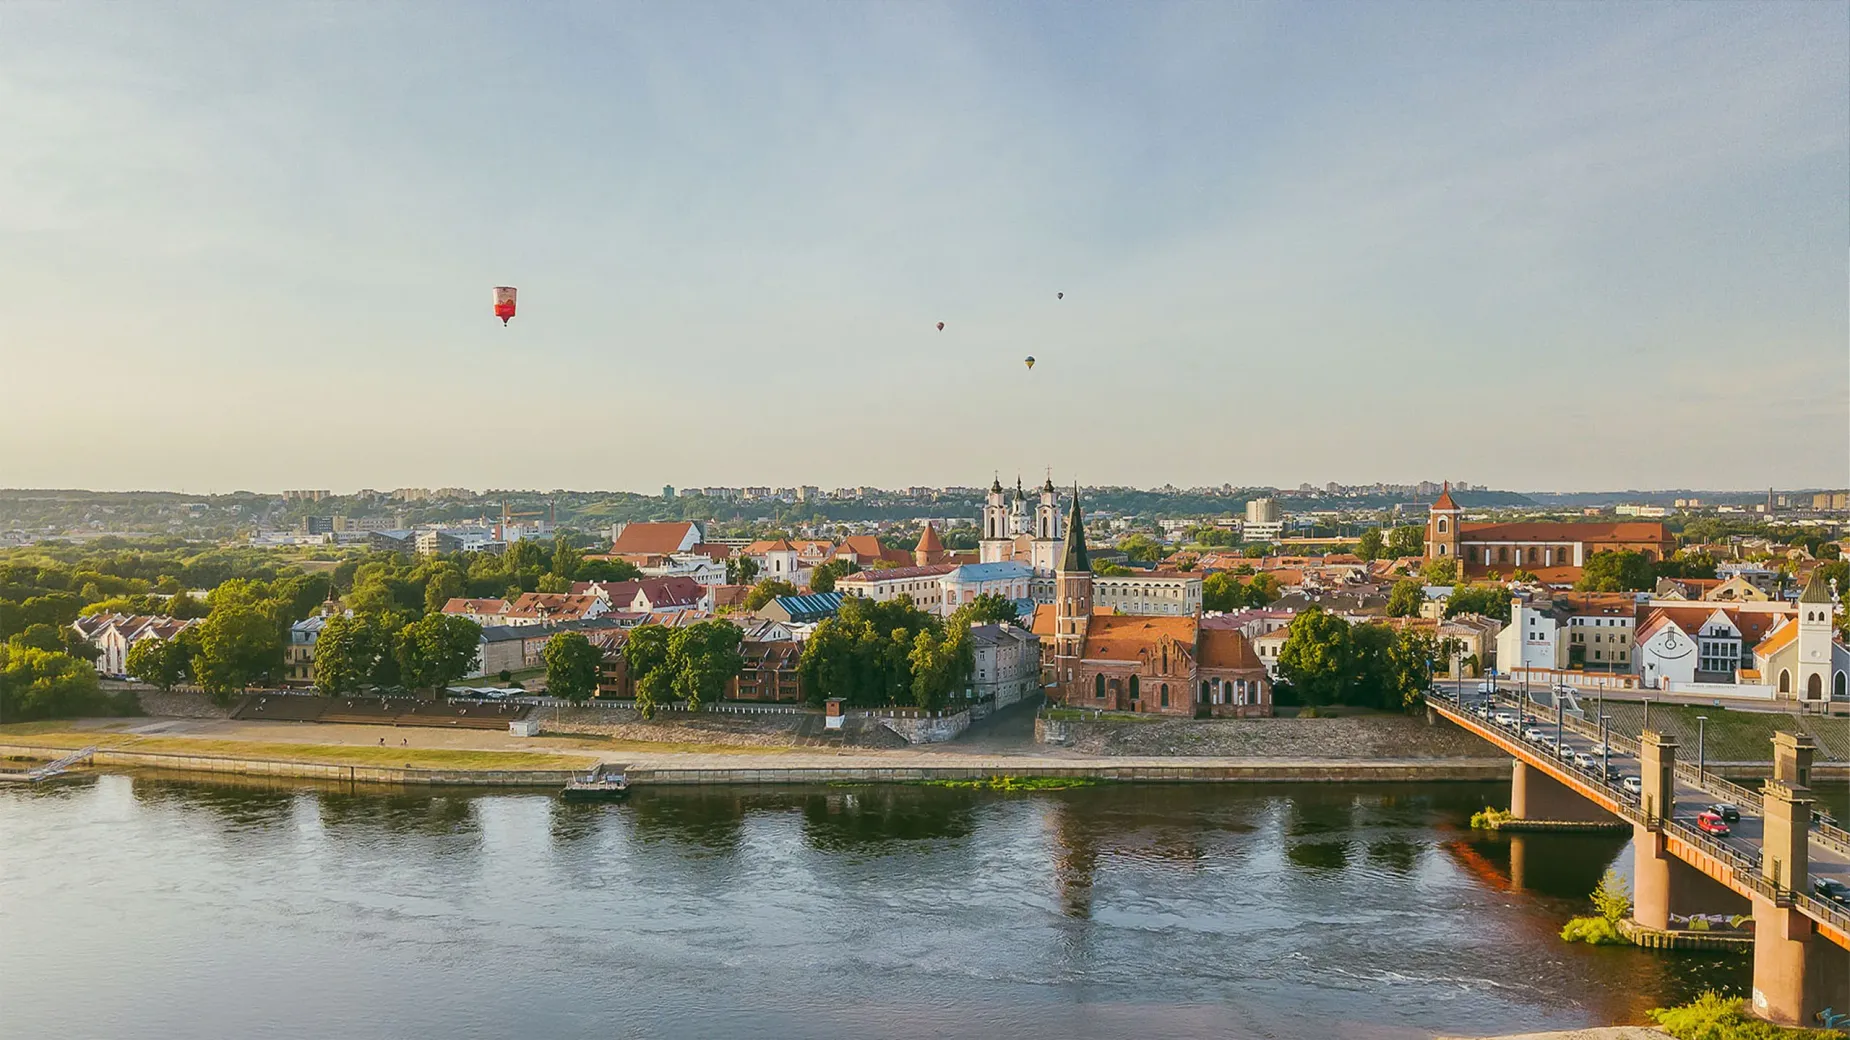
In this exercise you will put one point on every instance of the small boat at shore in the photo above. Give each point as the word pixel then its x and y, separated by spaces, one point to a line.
pixel 596 786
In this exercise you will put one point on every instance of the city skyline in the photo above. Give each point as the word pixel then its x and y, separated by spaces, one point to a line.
pixel 1545 246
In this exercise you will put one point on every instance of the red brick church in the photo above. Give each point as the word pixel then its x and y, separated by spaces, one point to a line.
pixel 1131 662
pixel 1554 552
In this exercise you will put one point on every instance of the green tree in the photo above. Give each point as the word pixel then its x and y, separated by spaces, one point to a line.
pixel 1492 601
pixel 644 654
pixel 1262 590
pixel 940 665
pixel 1318 656
pixel 1405 598
pixel 353 652
pixel 160 662
pixel 988 609
pixel 823 578
pixel 553 583
pixel 1370 545
pixel 239 645
pixel 39 637
pixel 743 570
pixel 1442 571
pixel 1141 548
pixel 608 570
pixel 436 650
pixel 1411 660
pixel 702 658
pixel 1222 591
pixel 444 584
pixel 1403 542
pixel 40 684
pixel 766 591
pixel 566 558
pixel 572 666
pixel 1616 571
pixel 1107 569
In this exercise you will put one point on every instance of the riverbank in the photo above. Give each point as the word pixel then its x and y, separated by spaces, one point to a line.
pixel 453 757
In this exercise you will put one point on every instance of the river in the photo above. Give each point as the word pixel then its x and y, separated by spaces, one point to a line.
pixel 171 908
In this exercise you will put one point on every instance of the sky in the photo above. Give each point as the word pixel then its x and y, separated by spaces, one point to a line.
pixel 1535 246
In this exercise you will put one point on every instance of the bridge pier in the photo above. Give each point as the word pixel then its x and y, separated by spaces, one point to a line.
pixel 1651 859
pixel 1534 795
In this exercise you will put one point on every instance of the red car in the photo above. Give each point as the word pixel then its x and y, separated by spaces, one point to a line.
pixel 1712 823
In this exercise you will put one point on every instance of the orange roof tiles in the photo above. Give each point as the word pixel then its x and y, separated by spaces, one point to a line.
pixel 1124 637
pixel 650 538
pixel 1226 648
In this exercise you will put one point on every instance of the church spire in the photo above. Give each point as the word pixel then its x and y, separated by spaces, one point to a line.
pixel 1073 555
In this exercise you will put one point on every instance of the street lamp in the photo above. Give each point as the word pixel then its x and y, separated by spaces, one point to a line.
pixel 1701 759
pixel 1605 750
pixel 1646 724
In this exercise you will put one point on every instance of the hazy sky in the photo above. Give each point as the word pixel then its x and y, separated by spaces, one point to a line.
pixel 252 245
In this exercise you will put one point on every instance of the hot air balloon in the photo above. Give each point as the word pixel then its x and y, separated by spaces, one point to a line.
pixel 504 302
pixel 1029 361
pixel 1059 296
pixel 941 326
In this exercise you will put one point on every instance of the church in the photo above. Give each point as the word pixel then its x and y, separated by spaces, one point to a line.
pixel 1162 665
pixel 1554 552
pixel 1016 532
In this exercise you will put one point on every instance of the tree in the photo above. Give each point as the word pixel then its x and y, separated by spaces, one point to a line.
pixel 1262 590
pixel 353 652
pixel 988 609
pixel 1689 565
pixel 1371 544
pixel 1411 660
pixel 1107 569
pixel 553 583
pixel 1616 571
pixel 38 684
pixel 822 579
pixel 608 570
pixel 566 558
pixel 1403 542
pixel 160 662
pixel 766 591
pixel 239 644
pixel 644 654
pixel 742 570
pixel 702 659
pixel 444 584
pixel 940 666
pixel 39 637
pixel 436 650
pixel 572 666
pixel 1223 592
pixel 1405 598
pixel 1492 601
pixel 1141 548
pixel 1442 571
pixel 1317 658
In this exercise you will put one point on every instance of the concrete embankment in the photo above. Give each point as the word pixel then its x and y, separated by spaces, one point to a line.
pixel 354 773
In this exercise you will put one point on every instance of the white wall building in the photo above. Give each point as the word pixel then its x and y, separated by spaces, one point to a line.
pixel 1011 581
pixel 1008 663
pixel 1170 593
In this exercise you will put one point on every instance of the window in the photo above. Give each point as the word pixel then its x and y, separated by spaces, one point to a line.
pixel 1098 687
pixel 1134 690
pixel 1165 693
pixel 1204 693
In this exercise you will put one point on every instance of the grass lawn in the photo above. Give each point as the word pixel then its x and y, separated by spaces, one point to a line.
pixel 1728 736
pixel 1086 715
pixel 56 734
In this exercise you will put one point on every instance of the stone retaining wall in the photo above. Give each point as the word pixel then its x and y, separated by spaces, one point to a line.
pixel 179 704
pixel 1258 772
pixel 1360 737
pixel 307 770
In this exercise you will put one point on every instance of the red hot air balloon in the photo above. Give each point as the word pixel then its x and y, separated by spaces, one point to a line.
pixel 504 302
pixel 941 326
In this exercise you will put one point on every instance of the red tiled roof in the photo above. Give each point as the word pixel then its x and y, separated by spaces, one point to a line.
pixel 555 606
pixel 650 537
pixel 461 605
pixel 1754 624
pixel 1560 531
pixel 1445 498
pixel 897 573
pixel 1226 648
pixel 1124 637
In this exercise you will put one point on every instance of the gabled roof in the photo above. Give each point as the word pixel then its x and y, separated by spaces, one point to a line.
pixel 559 606
pixel 1565 532
pixel 1781 638
pixel 930 570
pixel 812 607
pixel 868 547
pixel 1753 624
pixel 652 537
pixel 1226 648
pixel 1004 571
pixel 1125 637
pixel 1816 590
pixel 461 605
pixel 1445 502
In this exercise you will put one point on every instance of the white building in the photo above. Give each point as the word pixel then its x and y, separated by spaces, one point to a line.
pixel 1170 593
pixel 113 635
pixel 1013 531
pixel 923 584
pixel 1008 663
pixel 963 584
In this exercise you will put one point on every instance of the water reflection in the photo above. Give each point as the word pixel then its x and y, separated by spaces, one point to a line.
pixel 874 819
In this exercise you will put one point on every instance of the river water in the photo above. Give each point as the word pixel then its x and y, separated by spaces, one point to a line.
pixel 169 908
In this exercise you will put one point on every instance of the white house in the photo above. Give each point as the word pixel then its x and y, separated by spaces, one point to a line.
pixel 112 635
pixel 923 584
pixel 1166 593
pixel 1008 663
pixel 964 583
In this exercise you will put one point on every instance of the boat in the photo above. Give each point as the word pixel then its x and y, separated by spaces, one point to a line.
pixel 596 786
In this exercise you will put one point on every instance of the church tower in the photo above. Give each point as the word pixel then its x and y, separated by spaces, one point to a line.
pixel 1814 641
pixel 995 544
pixel 1442 528
pixel 1018 512
pixel 1047 515
pixel 1072 599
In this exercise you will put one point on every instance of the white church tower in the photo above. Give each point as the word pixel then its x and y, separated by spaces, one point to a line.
pixel 995 546
pixel 1815 642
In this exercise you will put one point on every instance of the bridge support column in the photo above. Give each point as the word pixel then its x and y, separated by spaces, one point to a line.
pixel 1651 863
pixel 1782 949
pixel 1783 936
pixel 1657 775
pixel 1535 795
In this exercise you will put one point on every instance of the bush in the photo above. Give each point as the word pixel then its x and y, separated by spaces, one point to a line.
pixel 1594 931
pixel 1715 1017
pixel 1490 819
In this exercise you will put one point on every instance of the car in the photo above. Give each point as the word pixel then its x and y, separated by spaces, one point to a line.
pixel 1601 749
pixel 1566 751
pixel 1487 687
pixel 1832 889
pixel 1613 774
pixel 1632 784
pixel 1727 811
pixel 1532 734
pixel 1711 823
pixel 1582 760
pixel 1505 719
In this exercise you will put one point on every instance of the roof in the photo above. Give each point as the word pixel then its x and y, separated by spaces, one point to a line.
pixel 1816 591
pixel 1004 571
pixel 1125 637
pixel 929 541
pixel 930 570
pixel 999 635
pixel 1073 556
pixel 1041 624
pixel 1781 638
pixel 759 548
pixel 1754 624
pixel 712 550
pixel 1225 648
pixel 1445 499
pixel 1564 531
pixel 868 547
pixel 561 605
pixel 460 605
pixel 651 537
pixel 810 607
pixel 1585 604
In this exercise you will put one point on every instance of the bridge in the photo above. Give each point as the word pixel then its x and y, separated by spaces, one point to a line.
pixel 1566 769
